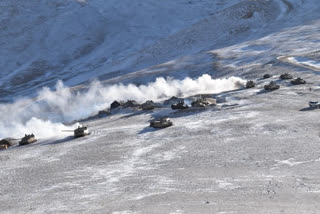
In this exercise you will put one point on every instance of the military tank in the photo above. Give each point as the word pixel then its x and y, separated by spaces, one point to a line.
pixel 285 76
pixel 271 86
pixel 266 76
pixel 162 122
pixel 27 139
pixel 179 105
pixel 250 84
pixel 7 142
pixel 148 105
pixel 298 81
pixel 313 104
pixel 81 131
pixel 203 102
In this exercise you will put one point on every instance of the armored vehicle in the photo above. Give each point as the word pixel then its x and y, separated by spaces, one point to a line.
pixel 250 84
pixel 27 139
pixel 7 142
pixel 179 105
pixel 271 86
pixel 314 104
pixel 285 76
pixel 81 131
pixel 148 105
pixel 130 104
pixel 203 102
pixel 162 122
pixel 172 100
pixel 266 76
pixel 298 81
pixel 115 104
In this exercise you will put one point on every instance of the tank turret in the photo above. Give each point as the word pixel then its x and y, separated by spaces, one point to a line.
pixel 27 139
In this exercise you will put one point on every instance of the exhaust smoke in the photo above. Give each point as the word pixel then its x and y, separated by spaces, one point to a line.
pixel 45 115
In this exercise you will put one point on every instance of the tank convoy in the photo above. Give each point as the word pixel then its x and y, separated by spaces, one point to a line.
pixel 197 102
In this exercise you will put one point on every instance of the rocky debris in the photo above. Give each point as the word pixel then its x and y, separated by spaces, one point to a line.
pixel 148 105
pixel 298 81
pixel 266 76
pixel 250 84
pixel 285 76
pixel 162 122
pixel 179 105
pixel 81 131
pixel 27 139
pixel 271 86
pixel 130 104
pixel 172 100
pixel 115 105
pixel 313 104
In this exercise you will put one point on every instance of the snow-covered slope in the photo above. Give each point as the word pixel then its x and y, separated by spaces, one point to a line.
pixel 44 41
pixel 256 152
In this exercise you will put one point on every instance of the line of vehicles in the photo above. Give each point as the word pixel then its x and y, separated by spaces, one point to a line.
pixel 5 143
pixel 161 122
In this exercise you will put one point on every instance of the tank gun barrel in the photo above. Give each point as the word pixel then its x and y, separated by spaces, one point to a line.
pixel 67 130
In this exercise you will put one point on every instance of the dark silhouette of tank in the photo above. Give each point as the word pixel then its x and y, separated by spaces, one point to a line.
pixel 313 104
pixel 266 76
pixel 179 105
pixel 285 76
pixel 203 102
pixel 250 84
pixel 27 139
pixel 130 104
pixel 162 122
pixel 298 81
pixel 7 142
pixel 172 100
pixel 271 86
pixel 81 131
pixel 148 105
pixel 115 105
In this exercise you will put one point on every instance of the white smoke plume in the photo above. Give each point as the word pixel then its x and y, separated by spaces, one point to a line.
pixel 44 115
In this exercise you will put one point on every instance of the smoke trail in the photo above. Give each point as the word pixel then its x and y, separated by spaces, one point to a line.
pixel 44 115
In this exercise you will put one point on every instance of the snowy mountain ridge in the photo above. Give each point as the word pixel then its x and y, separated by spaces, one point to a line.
pixel 255 151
